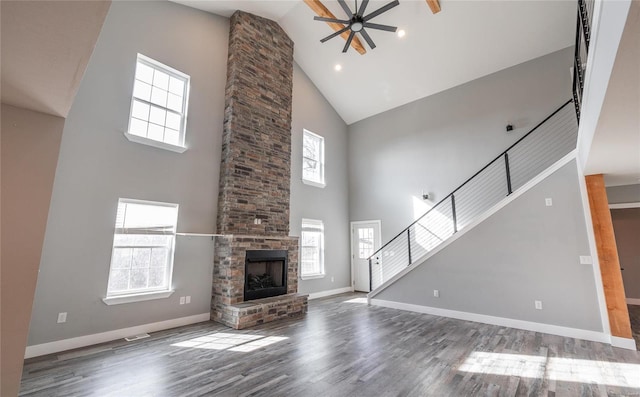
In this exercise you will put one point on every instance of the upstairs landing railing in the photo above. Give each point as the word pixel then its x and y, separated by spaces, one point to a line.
pixel 581 50
pixel 545 144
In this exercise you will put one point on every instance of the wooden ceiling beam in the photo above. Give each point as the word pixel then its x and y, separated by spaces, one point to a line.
pixel 322 11
pixel 434 5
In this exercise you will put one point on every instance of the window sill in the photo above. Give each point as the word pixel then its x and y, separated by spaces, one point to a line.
pixel 120 299
pixel 313 183
pixel 312 276
pixel 156 144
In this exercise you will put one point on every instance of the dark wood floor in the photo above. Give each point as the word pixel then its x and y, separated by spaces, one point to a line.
pixel 341 347
pixel 634 316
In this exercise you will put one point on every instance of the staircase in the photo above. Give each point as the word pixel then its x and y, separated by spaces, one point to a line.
pixel 540 148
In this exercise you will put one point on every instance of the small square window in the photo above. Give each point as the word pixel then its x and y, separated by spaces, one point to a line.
pixel 159 105
pixel 312 159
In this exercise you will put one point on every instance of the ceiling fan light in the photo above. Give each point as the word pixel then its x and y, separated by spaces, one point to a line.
pixel 356 26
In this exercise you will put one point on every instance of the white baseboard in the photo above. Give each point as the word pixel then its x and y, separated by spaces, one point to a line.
pixel 88 340
pixel 633 301
pixel 624 343
pixel 322 294
pixel 501 321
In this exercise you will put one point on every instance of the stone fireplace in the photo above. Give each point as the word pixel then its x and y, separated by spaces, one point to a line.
pixel 255 177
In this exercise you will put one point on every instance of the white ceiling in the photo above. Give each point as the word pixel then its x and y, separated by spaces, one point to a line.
pixel 46 46
pixel 465 41
pixel 615 150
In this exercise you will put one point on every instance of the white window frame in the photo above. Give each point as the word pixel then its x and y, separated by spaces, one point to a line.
pixel 313 226
pixel 181 147
pixel 114 298
pixel 306 134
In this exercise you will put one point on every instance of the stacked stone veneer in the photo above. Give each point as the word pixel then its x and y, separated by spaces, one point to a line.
pixel 255 174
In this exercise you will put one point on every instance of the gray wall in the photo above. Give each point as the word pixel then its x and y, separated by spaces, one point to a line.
pixel 626 226
pixel 311 111
pixel 98 165
pixel 436 143
pixel 525 252
pixel 623 194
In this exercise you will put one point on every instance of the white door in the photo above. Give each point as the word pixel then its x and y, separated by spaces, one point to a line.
pixel 365 240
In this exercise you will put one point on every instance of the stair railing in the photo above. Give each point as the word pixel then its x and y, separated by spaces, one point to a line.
pixel 581 50
pixel 554 137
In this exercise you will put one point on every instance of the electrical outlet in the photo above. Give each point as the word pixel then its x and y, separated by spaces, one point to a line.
pixel 548 202
pixel 436 293
pixel 182 300
pixel 188 299
pixel 62 317
pixel 586 260
pixel 538 305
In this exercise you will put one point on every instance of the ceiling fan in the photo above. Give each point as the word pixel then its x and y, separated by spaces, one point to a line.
pixel 357 22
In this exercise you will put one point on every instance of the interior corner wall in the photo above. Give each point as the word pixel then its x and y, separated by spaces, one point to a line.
pixel 623 194
pixel 436 143
pixel 311 111
pixel 98 165
pixel 526 251
pixel 30 147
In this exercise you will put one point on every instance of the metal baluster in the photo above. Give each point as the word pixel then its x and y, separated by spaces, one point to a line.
pixel 506 165
pixel 370 275
pixel 409 243
pixel 453 213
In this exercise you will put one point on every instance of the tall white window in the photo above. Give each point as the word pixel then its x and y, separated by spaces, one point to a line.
pixel 313 159
pixel 159 105
pixel 143 245
pixel 312 249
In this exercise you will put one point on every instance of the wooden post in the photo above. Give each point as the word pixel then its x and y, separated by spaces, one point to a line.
pixel 608 257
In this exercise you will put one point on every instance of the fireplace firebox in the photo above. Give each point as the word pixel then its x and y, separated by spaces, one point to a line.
pixel 265 274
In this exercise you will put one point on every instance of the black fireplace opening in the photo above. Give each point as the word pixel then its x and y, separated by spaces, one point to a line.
pixel 265 274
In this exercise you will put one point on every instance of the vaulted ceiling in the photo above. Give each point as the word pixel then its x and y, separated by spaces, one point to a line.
pixel 465 41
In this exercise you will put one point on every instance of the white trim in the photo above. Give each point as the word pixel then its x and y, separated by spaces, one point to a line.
pixel 157 144
pixel 314 183
pixel 377 243
pixel 88 340
pixel 147 296
pixel 621 206
pixel 312 276
pixel 331 292
pixel 595 262
pixel 500 321
pixel 633 301
pixel 623 343
pixel 526 187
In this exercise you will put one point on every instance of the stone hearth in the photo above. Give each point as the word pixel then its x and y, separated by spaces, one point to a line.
pixel 255 174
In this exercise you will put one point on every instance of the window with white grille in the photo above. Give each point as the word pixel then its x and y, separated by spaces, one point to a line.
pixel 312 249
pixel 143 246
pixel 312 159
pixel 159 105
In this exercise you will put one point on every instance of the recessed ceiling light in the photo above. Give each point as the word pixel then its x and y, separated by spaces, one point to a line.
pixel 338 67
pixel 401 33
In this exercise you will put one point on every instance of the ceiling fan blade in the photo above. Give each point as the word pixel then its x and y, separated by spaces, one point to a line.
pixel 339 32
pixel 367 38
pixel 363 7
pixel 380 27
pixel 334 20
pixel 345 7
pixel 381 10
pixel 346 47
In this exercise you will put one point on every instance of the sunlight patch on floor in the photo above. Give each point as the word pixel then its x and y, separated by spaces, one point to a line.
pixel 233 342
pixel 357 300
pixel 553 368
